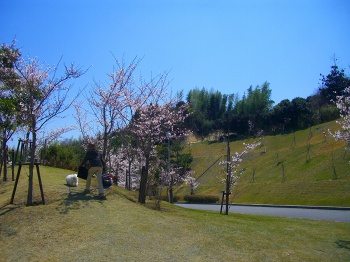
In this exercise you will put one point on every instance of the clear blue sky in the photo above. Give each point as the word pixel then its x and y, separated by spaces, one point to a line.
pixel 224 45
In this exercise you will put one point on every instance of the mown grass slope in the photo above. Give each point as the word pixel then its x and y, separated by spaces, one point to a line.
pixel 77 227
pixel 316 169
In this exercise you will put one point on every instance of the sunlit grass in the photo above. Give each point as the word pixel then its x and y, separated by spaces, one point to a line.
pixel 77 227
pixel 306 156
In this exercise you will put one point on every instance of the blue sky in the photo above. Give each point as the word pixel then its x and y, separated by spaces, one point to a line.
pixel 224 45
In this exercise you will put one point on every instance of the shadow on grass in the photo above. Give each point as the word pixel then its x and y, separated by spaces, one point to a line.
pixel 6 209
pixel 343 244
pixel 75 200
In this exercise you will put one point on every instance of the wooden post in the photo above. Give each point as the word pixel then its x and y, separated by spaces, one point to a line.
pixel 222 201
pixel 228 178
pixel 17 179
pixel 16 182
pixel 40 184
pixel 21 145
pixel 13 165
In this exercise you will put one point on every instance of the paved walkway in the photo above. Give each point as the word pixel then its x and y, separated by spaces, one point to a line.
pixel 338 214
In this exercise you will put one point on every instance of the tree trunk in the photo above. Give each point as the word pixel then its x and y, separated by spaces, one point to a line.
pixel 126 180
pixel 143 183
pixel 129 176
pixel 171 195
pixel 31 170
pixel 105 145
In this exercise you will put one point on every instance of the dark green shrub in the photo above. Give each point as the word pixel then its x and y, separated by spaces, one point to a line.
pixel 329 113
pixel 201 198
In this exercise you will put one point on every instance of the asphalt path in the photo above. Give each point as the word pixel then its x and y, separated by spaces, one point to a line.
pixel 338 214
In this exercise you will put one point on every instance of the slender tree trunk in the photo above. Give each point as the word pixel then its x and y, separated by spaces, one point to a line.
pixel 129 176
pixel 105 143
pixel 143 184
pixel 31 167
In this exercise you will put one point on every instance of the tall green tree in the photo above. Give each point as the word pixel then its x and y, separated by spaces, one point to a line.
pixel 208 110
pixel 198 121
pixel 334 83
pixel 257 99
pixel 254 107
pixel 301 113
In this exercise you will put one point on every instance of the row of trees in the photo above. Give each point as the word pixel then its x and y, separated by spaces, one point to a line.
pixel 212 111
pixel 126 119
pixel 136 122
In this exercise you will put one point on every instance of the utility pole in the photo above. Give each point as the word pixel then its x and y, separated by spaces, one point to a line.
pixel 228 176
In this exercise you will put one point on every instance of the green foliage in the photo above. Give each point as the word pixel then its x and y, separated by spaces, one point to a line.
pixel 329 113
pixel 212 111
pixel 201 198
pixel 66 154
pixel 208 110
pixel 178 158
pixel 334 83
pixel 256 100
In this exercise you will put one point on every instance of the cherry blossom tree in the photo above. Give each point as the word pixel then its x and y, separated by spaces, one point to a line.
pixel 9 120
pixel 150 125
pixel 113 104
pixel 125 162
pixel 190 180
pixel 139 108
pixel 343 104
pixel 42 96
pixel 232 172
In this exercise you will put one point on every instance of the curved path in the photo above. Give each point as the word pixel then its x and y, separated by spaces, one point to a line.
pixel 339 214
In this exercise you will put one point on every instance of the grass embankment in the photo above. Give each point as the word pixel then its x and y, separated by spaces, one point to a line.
pixel 316 169
pixel 78 227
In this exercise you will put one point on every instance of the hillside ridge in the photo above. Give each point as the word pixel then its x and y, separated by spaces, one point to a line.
pixel 306 167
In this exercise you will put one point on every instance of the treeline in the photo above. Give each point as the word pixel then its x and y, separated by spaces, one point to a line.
pixel 66 154
pixel 213 111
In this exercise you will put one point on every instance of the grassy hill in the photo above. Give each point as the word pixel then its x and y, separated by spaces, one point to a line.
pixel 77 227
pixel 316 169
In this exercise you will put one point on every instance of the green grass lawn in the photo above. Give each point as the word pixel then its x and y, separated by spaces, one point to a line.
pixel 77 227
pixel 308 160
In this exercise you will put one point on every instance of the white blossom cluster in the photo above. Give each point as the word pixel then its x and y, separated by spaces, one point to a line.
pixel 148 127
pixel 152 122
pixel 235 162
pixel 343 104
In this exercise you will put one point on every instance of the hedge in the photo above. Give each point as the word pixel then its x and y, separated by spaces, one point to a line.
pixel 201 198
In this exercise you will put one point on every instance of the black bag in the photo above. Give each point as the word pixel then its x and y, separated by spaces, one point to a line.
pixel 106 181
pixel 83 172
